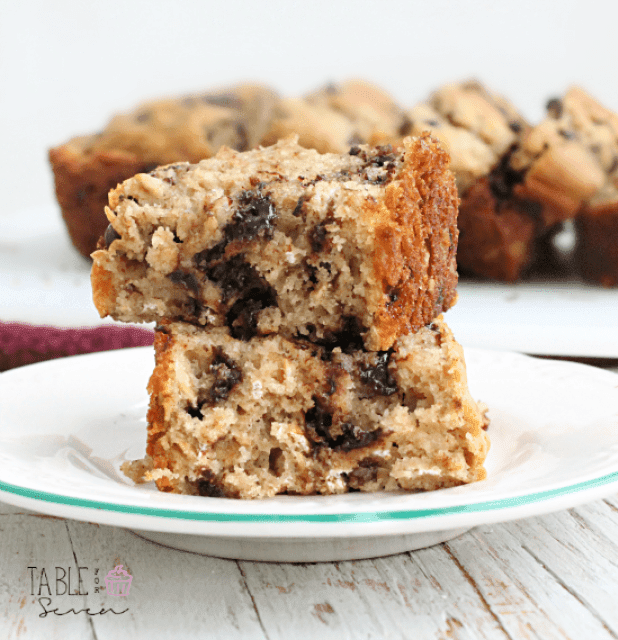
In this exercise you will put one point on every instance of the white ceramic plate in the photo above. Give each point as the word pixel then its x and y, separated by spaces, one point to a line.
pixel 43 280
pixel 67 425
pixel 558 318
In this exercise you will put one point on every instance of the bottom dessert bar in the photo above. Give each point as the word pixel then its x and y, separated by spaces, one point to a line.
pixel 253 419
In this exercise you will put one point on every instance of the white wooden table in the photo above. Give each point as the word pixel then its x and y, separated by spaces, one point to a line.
pixel 554 576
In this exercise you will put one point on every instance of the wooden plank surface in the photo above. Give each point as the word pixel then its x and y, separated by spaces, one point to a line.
pixel 554 576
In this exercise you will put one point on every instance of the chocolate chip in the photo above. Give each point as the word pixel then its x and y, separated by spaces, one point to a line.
pixel 227 375
pixel 318 421
pixel 393 295
pixel 242 316
pixel 186 279
pixel 405 128
pixel 355 139
pixel 256 215
pixel 432 123
pixel 566 134
pixel 195 412
pixel 208 487
pixel 381 159
pixel 298 209
pixel 243 137
pixel 235 277
pixel 365 472
pixel 354 437
pixel 515 126
pixel 348 338
pixel 313 275
pixel 205 258
pixel 228 100
pixel 355 150
pixel 110 235
pixel 241 282
pixel 503 179
pixel 613 166
pixel 193 309
pixel 375 376
pixel 143 116
pixel 436 329
pixel 554 108
pixel 318 426
pixel 317 236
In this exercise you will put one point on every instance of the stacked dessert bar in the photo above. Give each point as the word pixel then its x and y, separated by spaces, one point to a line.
pixel 299 346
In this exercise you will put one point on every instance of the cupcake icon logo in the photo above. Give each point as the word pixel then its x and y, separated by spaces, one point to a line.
pixel 118 581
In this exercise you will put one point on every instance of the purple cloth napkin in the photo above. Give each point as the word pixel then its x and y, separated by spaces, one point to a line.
pixel 22 344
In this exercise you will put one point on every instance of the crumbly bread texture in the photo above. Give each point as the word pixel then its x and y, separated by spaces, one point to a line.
pixel 184 129
pixel 254 419
pixel 286 240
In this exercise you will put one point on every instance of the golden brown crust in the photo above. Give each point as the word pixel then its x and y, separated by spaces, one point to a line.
pixel 423 212
pixel 82 182
pixel 496 237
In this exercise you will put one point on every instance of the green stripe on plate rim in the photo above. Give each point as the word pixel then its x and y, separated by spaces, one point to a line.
pixel 362 517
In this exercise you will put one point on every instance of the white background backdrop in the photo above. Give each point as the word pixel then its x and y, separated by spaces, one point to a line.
pixel 67 65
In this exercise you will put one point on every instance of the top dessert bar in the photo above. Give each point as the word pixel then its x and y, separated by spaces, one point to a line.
pixel 354 249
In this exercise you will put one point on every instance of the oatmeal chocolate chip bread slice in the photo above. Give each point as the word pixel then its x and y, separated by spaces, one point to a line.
pixel 485 114
pixel 554 166
pixel 596 223
pixel 189 128
pixel 317 126
pixel 286 240
pixel 254 419
pixel 334 118
pixel 374 112
pixel 499 231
